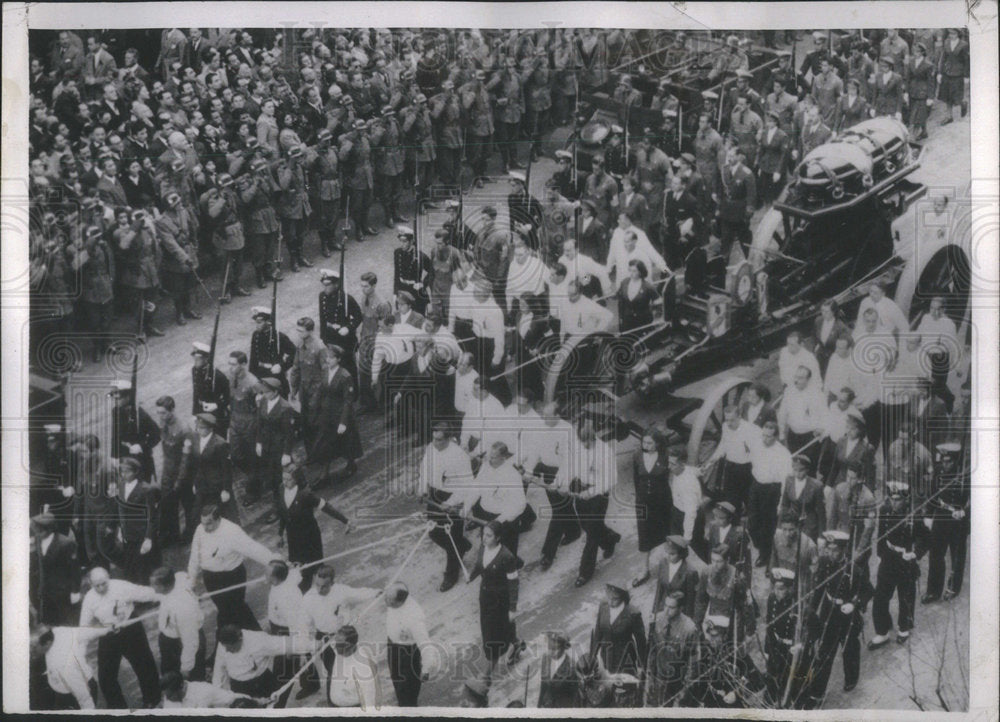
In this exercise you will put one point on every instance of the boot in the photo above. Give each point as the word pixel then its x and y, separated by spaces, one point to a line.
pixel 240 291
pixel 325 248
pixel 295 264
pixel 304 262
pixel 152 330
pixel 261 282
pixel 189 312
pixel 181 321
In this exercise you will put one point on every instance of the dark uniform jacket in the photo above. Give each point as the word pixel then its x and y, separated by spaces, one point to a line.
pixel 333 317
pixel 263 355
pixel 621 643
pixel 356 161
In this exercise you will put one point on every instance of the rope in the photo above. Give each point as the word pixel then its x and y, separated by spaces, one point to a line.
pixel 318 653
pixel 387 521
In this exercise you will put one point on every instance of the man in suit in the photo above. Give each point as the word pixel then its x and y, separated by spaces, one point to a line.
pixel 887 88
pixel 54 573
pixel 772 160
pixel 593 239
pixel 306 377
pixel 274 441
pixel 803 497
pixel 675 574
pixel 853 448
pixel 737 198
pixel 337 433
pixel 726 530
pixel 211 470
pixel 756 407
pixel 138 523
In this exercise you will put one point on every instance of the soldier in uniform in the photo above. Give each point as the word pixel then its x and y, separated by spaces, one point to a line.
pixel 626 97
pixel 256 191
pixel 737 198
pixel 271 352
pixel 783 643
pixel 538 99
pixel 838 604
pixel 722 675
pixel 524 210
pixel 306 377
pixel 949 512
pixel 223 208
pixel 673 648
pixel 446 114
pixel 479 119
pixel 339 323
pixel 359 176
pixel 463 239
pixel 210 388
pixel 602 190
pixel 902 542
pixel 324 183
pixel 707 147
pixel 745 128
pixel 96 290
pixel 411 268
pixel 563 177
pixel 418 133
pixel 133 431
pixel 138 248
pixel 772 161
pixel 174 233
pixel 509 93
pixel 388 158
pixel 293 206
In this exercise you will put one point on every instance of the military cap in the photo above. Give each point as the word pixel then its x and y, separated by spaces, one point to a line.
pixel 324 134
pixel 327 275
pixel 726 507
pixel 173 198
pixel 564 155
pixel 46 520
pixel 129 462
pixel 784 53
pixel 406 297
pixel 819 35
pixel 93 232
pixel 678 541
pixel 347 100
pixel 780 574
pixel 834 536
pixel 52 429
pixel 617 129
pixel 732 41
pixel 895 488
pixel 406 75
pixel 387 110
pixel 709 95
pixel 669 113
pixel 359 124
pixel 743 73
pixel 402 231
pixel 451 204
pixel 200 349
pixel 420 98
pixel 261 313
pixel 225 180
pixel 119 385
pixel 801 459
pixel 716 622
pixel 517 175
pixel 177 165
pixel 271 382
pixel 207 418
pixel 773 114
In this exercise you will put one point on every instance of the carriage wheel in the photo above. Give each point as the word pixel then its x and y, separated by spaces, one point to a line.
pixel 586 369
pixel 706 430
pixel 945 273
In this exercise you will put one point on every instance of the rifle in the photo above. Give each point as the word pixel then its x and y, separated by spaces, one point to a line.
pixel 215 326
pixel 680 128
pixel 275 338
pixel 797 657
pixel 343 281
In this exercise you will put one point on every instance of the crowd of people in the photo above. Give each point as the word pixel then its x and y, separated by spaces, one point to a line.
pixel 244 146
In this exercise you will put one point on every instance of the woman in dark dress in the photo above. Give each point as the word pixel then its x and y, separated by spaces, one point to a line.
pixel 297 507
pixel 497 596
pixel 653 500
pixel 619 636
pixel 635 298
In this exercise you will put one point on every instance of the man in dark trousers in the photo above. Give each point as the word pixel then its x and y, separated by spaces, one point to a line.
pixel 270 356
pixel 54 573
pixel 339 323
pixel 274 441
pixel 737 198
pixel 138 523
pixel 802 496
pixel 949 511
pixel 902 542
pixel 772 158
pixel 210 388
pixel 133 431
pixel 411 266
pixel 306 377
pixel 211 471
pixel 337 433
pixel 838 601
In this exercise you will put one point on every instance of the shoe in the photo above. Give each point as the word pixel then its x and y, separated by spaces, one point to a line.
pixel 371 231
pixel 240 291
pixel 611 547
pixel 949 595
pixel 849 687
pixel 929 598
pixel 879 640
pixel 278 276
pixel 400 219
pixel 153 331
pixel 639 581
pixel 181 321
pixel 580 581
pixel 326 251
pixel 226 298
pixel 448 583
pixel 194 315
pixel 948 120
pixel 544 564
pixel 305 262
pixel 307 691
pixel 902 637
pixel 567 540
pixel 350 470
pixel 922 135
pixel 514 165
pixel 295 265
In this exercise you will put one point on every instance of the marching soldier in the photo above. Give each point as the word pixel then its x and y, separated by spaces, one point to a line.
pixel 293 205
pixel 174 232
pixel 563 177
pixel 210 388
pixel 222 207
pixel 538 99
pixel 359 176
pixel 446 113
pixel 257 192
pixel 272 353
pixel 508 90
pixel 782 649
pixel 306 378
pixel 949 511
pixel 324 182
pixel 479 119
pixel 133 431
pixel 838 602
pixel 389 159
pixel 339 324
pixel 737 198
pixel 723 675
pixel 418 133
pixel 524 210
pixel 411 268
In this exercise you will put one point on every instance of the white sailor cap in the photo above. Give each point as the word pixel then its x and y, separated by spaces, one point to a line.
pixel 200 349
pixel 52 429
pixel 260 311
pixel 327 275
pixel 716 621
pixel 780 574
pixel 451 203
pixel 404 231
pixel 897 487
pixel 564 154
pixel 836 536
pixel 518 176
pixel 617 129
pixel 121 385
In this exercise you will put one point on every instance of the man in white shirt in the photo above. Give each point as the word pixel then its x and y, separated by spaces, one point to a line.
pixel 410 650
pixel 218 550
pixel 793 355
pixel 243 660
pixel 445 477
pixel 801 414
pixel 284 619
pixel 733 452
pixel 685 490
pixel 584 270
pixel 488 347
pixel 940 340
pixel 181 694
pixel 465 375
pixel 627 242
pixel 840 369
pixel 498 494
pixel 526 273
pixel 67 671
pixel 354 677
pixel 483 411
pixel 109 604
pixel 324 607
pixel 581 316
pixel 558 293
pixel 393 351
pixel 890 316
pixel 771 464
pixel 182 639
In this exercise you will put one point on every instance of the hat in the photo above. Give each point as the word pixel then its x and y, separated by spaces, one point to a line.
pixel 335 350
pixel 359 124
pixel 773 114
pixel 324 134
pixel 93 232
pixel 207 418
pixel 558 636
pixel 173 198
pixel 819 35
pixel 716 621
pixel 678 541
pixel 121 385
pixel 625 80
pixel 46 520
pixel 948 447
pixel 261 313
pixel 835 536
pixel 669 113
pixel 620 592
pixel 258 164
pixel 741 73
pixel 406 75
pixel 616 129
pixel 327 275
pixel 688 158
pixel 564 155
pixel 200 349
pixel 784 53
pixel 780 574
pixel 451 203
pixel 517 175
pixel 709 95
pixel 271 382
pixel 801 459
pixel 732 41
pixel 727 507
pixel 897 487
pixel 887 60
pixel 388 110
pixel 480 74
pixel 406 297
pixel 52 429
pixel 129 462
pixel 420 98
pixel 404 231
pixel 225 180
